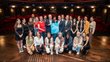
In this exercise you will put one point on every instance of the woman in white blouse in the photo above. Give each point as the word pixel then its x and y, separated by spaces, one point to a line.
pixel 39 43
pixel 77 43
pixel 49 44
pixel 59 43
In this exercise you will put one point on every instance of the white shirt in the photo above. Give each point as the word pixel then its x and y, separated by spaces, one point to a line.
pixel 38 41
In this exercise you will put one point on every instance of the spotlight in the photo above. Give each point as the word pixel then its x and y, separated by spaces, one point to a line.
pixel 12 10
pixel 0 10
pixel 108 6
pixel 72 10
pixel 93 10
pixel 34 10
pixel 52 7
pixel 40 7
pixel 13 6
pixel 65 7
pixel 27 6
pixel 78 7
pixel 44 9
pixel 105 11
pixel 23 10
pixel 82 10
pixel 92 6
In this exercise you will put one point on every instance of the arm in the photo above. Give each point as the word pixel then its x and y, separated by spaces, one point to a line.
pixel 94 27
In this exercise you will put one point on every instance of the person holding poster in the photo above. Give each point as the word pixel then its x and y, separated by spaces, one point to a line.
pixel 41 26
pixel 54 28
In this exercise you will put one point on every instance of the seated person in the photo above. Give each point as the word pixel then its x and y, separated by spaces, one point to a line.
pixel 68 43
pixel 77 43
pixel 86 45
pixel 49 43
pixel 59 43
pixel 30 43
pixel 39 43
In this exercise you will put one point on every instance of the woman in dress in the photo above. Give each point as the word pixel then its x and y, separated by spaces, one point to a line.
pixel 25 27
pixel 19 35
pixel 30 43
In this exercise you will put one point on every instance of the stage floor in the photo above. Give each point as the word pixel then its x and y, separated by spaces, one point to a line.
pixel 100 51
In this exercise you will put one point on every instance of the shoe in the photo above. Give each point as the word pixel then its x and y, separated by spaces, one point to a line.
pixel 51 53
pixel 77 53
pixel 24 46
pixel 56 53
pixel 69 52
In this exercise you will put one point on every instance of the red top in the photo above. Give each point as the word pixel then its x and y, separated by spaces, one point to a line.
pixel 41 26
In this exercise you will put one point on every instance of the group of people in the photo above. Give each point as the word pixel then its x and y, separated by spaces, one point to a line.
pixel 72 34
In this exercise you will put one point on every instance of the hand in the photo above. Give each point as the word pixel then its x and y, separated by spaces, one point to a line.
pixel 65 46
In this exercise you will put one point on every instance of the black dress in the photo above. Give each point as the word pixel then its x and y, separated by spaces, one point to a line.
pixel 85 48
pixel 26 29
pixel 73 28
pixel 18 32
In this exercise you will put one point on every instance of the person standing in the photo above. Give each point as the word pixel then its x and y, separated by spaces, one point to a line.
pixel 92 28
pixel 67 25
pixel 80 25
pixel 19 34
pixel 86 25
pixel 74 28
pixel 41 26
pixel 25 27
pixel 48 23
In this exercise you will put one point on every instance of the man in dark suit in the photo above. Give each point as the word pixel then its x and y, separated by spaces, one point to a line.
pixel 67 25
pixel 61 24
pixel 48 23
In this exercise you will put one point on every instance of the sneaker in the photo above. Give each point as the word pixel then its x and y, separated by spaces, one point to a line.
pixel 77 53
pixel 24 46
pixel 56 53
pixel 69 52
pixel 51 53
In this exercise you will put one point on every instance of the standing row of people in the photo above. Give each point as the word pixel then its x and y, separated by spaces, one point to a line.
pixel 73 34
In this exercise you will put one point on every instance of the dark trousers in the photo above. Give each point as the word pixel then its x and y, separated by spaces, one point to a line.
pixel 69 48
pixel 85 49
pixel 39 49
pixel 54 36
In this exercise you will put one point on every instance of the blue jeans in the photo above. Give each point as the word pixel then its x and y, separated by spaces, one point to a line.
pixel 77 49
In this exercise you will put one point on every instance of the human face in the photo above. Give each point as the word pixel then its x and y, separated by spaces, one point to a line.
pixel 91 19
pixel 30 33
pixel 79 17
pixel 48 35
pixel 38 34
pixel 18 21
pixel 23 21
pixel 33 15
pixel 41 18
pixel 78 34
pixel 59 17
pixel 67 17
pixel 60 34
pixel 50 16
pixel 85 18
pixel 62 16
